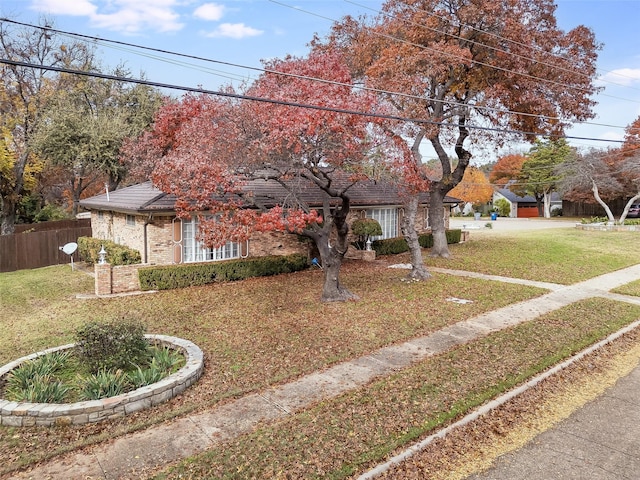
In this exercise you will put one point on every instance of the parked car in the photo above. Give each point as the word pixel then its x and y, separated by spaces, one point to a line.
pixel 634 211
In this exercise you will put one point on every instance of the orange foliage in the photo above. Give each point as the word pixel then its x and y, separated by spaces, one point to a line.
pixel 474 187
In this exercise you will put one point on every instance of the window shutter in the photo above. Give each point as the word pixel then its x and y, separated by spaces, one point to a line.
pixel 176 225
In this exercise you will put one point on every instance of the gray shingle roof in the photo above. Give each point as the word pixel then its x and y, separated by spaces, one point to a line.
pixel 146 198
pixel 512 197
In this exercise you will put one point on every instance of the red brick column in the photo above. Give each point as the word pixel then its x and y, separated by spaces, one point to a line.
pixel 103 278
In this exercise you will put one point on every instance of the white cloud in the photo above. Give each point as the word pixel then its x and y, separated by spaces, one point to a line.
pixel 128 16
pixel 622 76
pixel 64 7
pixel 234 30
pixel 617 136
pixel 209 11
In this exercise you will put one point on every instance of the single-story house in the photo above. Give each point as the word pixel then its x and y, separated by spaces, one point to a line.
pixel 143 217
pixel 524 207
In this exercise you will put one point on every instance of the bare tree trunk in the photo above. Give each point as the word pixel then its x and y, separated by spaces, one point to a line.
pixel 418 269
pixel 596 195
pixel 436 215
pixel 547 205
pixel 332 255
pixel 332 289
pixel 7 217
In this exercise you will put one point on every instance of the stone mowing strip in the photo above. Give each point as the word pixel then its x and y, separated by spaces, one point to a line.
pixel 23 414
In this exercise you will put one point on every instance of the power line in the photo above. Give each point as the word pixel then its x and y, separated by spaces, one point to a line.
pixel 423 47
pixel 278 102
pixel 291 75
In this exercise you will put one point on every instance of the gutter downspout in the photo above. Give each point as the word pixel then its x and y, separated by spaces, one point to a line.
pixel 146 223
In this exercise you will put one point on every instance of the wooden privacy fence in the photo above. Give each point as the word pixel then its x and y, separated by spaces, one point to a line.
pixel 38 245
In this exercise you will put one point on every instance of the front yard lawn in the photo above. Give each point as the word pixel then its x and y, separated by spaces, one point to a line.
pixel 265 331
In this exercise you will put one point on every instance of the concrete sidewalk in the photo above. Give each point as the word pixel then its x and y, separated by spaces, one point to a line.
pixel 167 443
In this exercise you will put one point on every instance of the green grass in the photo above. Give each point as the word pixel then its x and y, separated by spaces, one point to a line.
pixel 562 256
pixel 261 332
pixel 632 288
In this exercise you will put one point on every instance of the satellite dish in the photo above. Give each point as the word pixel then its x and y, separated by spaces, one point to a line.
pixel 70 249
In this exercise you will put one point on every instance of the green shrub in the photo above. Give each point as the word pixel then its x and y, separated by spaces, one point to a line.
pixel 594 220
pixel 390 246
pixel 365 228
pixel 393 246
pixel 180 276
pixel 145 376
pixel 111 345
pixel 103 384
pixel 503 206
pixel 34 381
pixel 88 248
pixel 166 359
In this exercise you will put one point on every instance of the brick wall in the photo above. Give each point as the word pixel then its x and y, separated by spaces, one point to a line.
pixel 116 279
pixel 162 247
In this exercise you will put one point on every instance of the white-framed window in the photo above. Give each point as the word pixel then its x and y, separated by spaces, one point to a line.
pixel 100 214
pixel 194 251
pixel 131 220
pixel 388 220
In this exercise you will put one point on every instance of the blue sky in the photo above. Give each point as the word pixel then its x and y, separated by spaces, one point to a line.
pixel 245 31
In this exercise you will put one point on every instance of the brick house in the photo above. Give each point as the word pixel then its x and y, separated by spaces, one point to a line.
pixel 143 218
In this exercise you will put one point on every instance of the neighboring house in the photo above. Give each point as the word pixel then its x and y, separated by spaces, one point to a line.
pixel 524 207
pixel 144 218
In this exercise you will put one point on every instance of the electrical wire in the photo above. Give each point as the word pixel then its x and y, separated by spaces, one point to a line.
pixel 291 75
pixel 280 102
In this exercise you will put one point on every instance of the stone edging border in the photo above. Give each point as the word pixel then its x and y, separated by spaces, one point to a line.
pixel 19 414
pixel 606 227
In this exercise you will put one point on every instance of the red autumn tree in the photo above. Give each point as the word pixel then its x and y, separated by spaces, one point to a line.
pixel 631 146
pixel 452 65
pixel 215 157
pixel 507 168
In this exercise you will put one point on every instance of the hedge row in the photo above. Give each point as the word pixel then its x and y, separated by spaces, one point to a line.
pixel 88 248
pixel 180 276
pixel 393 246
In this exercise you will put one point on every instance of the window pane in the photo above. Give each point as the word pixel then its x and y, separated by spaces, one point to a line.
pixel 388 220
pixel 194 251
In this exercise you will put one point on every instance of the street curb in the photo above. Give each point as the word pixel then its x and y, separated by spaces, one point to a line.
pixel 493 404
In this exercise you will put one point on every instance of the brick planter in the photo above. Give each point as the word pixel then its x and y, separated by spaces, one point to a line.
pixel 19 414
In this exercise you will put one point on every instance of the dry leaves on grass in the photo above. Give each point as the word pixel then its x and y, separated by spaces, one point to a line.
pixel 356 430
pixel 255 333
pixel 473 447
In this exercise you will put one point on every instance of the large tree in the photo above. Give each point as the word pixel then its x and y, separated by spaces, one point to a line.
pixel 86 124
pixel 474 187
pixel 605 175
pixel 24 94
pixel 455 64
pixel 216 152
pixel 539 176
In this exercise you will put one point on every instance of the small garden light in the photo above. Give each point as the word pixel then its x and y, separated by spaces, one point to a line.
pixel 102 256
